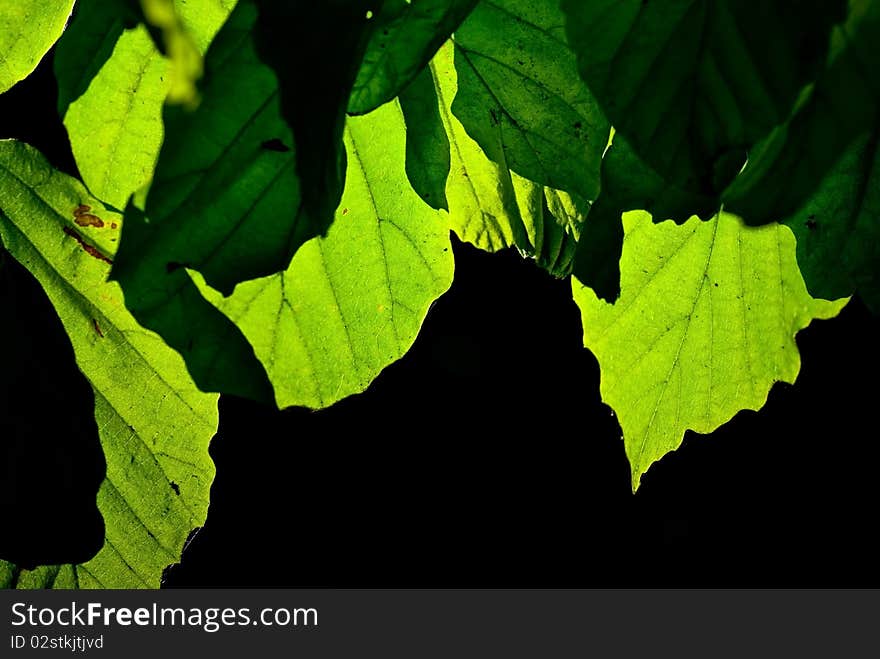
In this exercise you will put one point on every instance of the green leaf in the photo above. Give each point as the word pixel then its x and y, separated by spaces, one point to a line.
pixel 693 84
pixel 154 423
pixel 352 302
pixel 483 208
pixel 520 96
pixel 704 326
pixel 406 36
pixel 494 208
pixel 225 197
pixel 843 104
pixel 316 50
pixel 114 117
pixel 28 28
pixel 838 229
pixel 86 46
pixel 427 147
pixel 628 183
pixel 223 181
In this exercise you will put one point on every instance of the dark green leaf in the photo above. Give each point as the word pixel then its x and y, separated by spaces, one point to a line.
pixel 406 36
pixel 520 96
pixel 315 50
pixel 844 103
pixel 693 84
pixel 225 197
pixel 838 229
pixel 492 207
pixel 627 184
pixel 428 160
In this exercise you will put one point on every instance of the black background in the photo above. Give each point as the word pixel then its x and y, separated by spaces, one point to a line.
pixel 485 457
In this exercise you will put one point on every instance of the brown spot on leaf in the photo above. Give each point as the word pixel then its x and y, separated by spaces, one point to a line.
pixel 113 225
pixel 89 220
pixel 97 327
pixel 345 211
pixel 91 250
pixel 84 218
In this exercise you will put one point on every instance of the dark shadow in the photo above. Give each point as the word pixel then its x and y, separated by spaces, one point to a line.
pixel 485 458
pixel 53 463
pixel 28 113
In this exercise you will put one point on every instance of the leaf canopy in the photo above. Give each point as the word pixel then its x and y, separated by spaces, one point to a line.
pixel 154 423
pixel 694 84
pixel 843 104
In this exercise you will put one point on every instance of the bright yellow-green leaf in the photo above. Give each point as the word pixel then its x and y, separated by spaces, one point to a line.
pixel 115 125
pixel 28 28
pixel 154 424
pixel 705 324
pixel 352 302
pixel 491 206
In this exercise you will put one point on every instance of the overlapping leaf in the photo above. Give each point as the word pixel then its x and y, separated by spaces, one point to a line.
pixel 693 84
pixel 352 302
pixel 428 160
pixel 704 326
pixel 520 97
pixel 493 207
pixel 628 183
pixel 154 423
pixel 406 36
pixel 225 198
pixel 112 87
pixel 843 104
pixel 316 50
pixel 838 229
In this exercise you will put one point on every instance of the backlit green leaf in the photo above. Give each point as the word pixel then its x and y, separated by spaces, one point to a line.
pixel 352 302
pixel 705 324
pixel 628 183
pixel 520 96
pixel 28 28
pixel 492 207
pixel 154 423
pixel 114 117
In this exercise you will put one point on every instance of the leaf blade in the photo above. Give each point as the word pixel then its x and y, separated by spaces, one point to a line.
pixel 704 326
pixel 154 423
